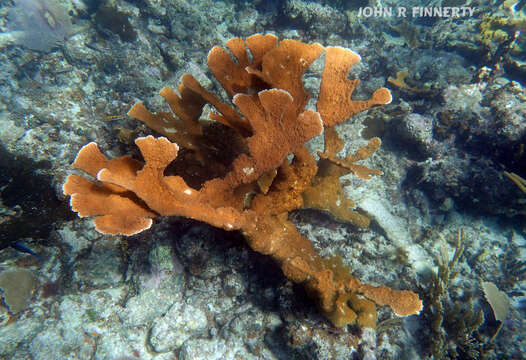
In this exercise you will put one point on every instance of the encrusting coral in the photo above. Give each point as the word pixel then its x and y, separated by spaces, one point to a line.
pixel 249 184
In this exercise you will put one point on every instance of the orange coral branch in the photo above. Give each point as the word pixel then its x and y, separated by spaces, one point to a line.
pixel 278 131
pixel 185 131
pixel 233 76
pixel 334 102
pixel 326 193
pixel 349 162
pixel 116 210
pixel 254 194
pixel 402 302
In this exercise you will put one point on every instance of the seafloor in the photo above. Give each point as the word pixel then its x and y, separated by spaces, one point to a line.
pixel 185 290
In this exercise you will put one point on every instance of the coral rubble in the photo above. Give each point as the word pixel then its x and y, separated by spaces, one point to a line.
pixel 253 190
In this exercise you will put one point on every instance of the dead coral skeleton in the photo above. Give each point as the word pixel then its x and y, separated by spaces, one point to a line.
pixel 253 188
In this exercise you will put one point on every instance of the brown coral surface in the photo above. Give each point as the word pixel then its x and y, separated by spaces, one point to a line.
pixel 257 190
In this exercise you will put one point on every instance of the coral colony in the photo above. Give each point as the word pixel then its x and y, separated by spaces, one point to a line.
pixel 250 185
pixel 39 24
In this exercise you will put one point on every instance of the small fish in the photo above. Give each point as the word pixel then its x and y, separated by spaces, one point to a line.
pixel 22 248
pixel 113 117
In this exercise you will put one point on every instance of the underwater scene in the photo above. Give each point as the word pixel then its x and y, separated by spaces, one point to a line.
pixel 278 180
